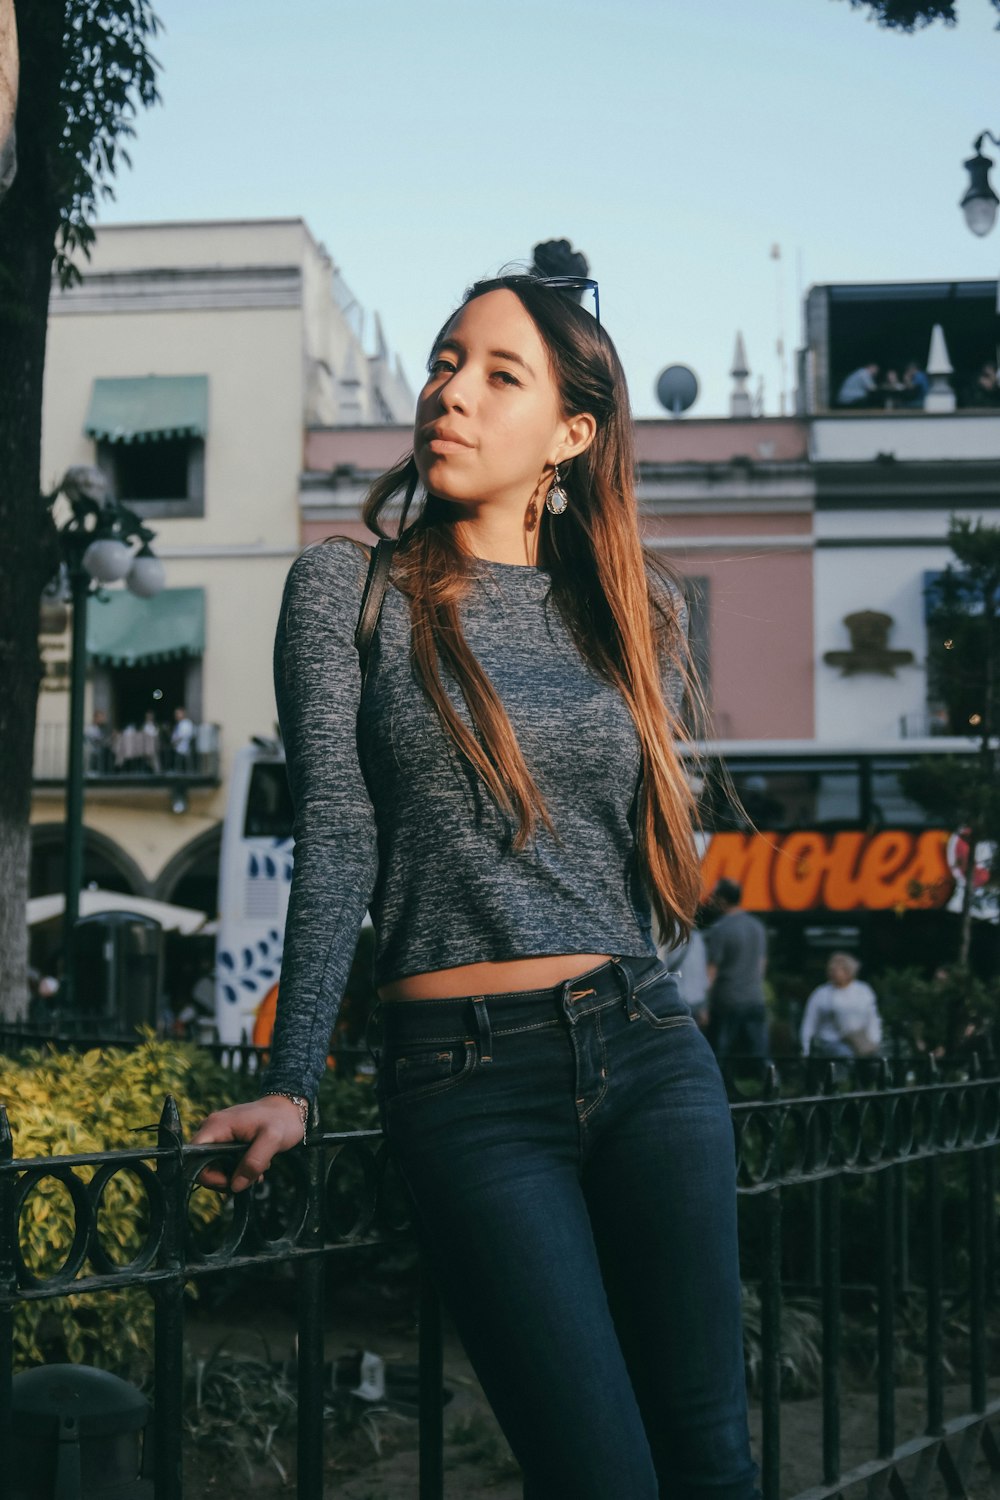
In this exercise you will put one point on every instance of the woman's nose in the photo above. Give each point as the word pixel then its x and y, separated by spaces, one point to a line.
pixel 453 394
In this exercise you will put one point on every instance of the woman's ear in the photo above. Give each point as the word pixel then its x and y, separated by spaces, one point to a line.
pixel 579 434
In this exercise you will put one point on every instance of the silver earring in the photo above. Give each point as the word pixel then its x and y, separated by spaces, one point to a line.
pixel 556 500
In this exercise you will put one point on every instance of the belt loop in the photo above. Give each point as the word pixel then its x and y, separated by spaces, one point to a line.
pixel 483 1034
pixel 631 1007
pixel 374 1016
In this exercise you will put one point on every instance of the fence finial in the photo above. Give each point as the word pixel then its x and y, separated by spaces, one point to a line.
pixel 6 1136
pixel 170 1132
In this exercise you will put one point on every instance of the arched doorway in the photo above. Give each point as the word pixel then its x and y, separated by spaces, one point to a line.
pixel 191 878
pixel 105 863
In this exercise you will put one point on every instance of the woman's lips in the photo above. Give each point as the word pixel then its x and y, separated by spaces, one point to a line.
pixel 447 445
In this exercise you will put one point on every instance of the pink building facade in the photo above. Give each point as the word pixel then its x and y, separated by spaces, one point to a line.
pixel 729 502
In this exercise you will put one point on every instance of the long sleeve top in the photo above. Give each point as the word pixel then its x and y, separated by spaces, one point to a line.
pixel 388 817
pixel 834 1011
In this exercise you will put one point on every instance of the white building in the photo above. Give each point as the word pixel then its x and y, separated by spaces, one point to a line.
pixel 188 364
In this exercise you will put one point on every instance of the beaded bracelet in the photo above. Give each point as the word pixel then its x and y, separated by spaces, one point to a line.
pixel 299 1100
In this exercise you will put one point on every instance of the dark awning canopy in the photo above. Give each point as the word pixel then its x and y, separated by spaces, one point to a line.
pixel 144 408
pixel 126 631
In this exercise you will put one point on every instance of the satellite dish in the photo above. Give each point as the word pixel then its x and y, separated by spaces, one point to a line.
pixel 677 388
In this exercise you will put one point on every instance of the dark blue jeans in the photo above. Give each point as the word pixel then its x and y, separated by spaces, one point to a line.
pixel 570 1156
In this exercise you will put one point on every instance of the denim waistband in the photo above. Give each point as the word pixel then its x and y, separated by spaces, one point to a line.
pixel 571 999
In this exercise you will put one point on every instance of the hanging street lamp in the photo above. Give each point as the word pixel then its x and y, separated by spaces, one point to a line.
pixel 980 202
pixel 96 538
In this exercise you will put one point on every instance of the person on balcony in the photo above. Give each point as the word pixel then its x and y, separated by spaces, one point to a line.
pixel 508 798
pixel 182 740
pixel 97 735
pixel 860 388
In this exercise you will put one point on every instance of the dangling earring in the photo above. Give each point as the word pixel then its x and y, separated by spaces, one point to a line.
pixel 556 500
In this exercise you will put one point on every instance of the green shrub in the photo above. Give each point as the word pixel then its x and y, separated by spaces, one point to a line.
pixel 70 1103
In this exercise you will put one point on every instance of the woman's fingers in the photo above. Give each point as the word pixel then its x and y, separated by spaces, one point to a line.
pixel 264 1127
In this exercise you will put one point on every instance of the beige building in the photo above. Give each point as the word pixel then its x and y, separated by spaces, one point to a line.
pixel 188 365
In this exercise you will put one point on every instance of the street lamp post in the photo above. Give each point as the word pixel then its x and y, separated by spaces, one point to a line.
pixel 94 534
pixel 979 202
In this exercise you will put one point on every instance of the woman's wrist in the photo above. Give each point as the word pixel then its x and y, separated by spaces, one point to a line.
pixel 300 1101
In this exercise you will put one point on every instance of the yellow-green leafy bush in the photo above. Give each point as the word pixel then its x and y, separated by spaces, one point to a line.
pixel 63 1104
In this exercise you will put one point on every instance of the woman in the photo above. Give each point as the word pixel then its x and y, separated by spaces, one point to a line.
pixel 506 797
pixel 841 1017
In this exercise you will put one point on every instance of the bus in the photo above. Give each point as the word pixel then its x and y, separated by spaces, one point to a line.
pixel 824 842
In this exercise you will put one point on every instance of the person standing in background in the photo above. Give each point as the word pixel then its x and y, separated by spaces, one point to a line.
pixel 736 946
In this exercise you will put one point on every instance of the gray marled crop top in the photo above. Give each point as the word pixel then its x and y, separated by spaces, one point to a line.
pixel 387 817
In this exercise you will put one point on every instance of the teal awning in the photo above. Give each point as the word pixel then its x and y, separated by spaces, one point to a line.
pixel 125 631
pixel 142 408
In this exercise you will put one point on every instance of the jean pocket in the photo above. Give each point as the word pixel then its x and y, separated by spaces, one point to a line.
pixel 419 1071
pixel 659 1003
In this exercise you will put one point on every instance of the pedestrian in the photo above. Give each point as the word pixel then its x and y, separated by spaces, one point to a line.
pixel 689 961
pixel 181 739
pixel 860 387
pixel 737 962
pixel 841 1017
pixel 507 797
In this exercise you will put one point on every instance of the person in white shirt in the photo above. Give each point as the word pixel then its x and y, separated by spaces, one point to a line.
pixel 841 1017
pixel 858 388
pixel 181 737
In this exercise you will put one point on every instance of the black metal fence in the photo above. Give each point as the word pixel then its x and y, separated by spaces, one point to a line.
pixel 799 1158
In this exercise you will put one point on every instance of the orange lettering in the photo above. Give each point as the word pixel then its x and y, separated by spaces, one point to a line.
pixel 799 867
pixel 884 877
pixel 841 890
pixel 745 858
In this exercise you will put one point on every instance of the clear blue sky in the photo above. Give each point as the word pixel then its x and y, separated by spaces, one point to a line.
pixel 674 141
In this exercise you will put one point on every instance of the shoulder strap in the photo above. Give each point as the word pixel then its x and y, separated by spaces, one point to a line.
pixel 372 598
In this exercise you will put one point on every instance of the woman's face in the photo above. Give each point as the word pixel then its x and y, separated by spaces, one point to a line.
pixel 489 424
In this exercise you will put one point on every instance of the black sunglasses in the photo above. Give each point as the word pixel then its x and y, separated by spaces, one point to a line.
pixel 574 284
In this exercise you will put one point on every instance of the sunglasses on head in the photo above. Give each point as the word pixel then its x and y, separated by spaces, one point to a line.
pixel 574 284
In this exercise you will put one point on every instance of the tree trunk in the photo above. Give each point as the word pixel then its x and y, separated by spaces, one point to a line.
pixel 29 220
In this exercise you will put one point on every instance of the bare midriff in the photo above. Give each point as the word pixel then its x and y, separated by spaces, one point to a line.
pixel 492 978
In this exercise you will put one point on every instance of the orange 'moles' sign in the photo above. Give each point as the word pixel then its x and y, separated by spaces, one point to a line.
pixel 832 871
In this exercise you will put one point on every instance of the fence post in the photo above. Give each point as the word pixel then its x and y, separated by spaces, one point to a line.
pixel 8 1290
pixel 885 1200
pixel 168 1299
pixel 935 1344
pixel 770 1338
pixel 977 1257
pixel 310 1274
pixel 830 1308
pixel 431 1378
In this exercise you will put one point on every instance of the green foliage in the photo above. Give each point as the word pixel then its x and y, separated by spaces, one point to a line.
pixel 801 1344
pixel 944 1014
pixel 108 73
pixel 68 1104
pixel 963 638
pixel 910 15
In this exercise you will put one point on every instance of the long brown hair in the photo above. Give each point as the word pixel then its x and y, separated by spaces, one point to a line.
pixel 600 572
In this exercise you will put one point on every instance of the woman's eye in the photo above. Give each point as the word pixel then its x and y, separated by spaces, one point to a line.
pixel 437 365
pixel 505 377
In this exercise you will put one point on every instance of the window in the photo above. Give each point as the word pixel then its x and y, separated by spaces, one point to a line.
pixel 150 435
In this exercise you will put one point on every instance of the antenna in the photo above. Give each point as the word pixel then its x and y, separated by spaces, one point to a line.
pixel 779 347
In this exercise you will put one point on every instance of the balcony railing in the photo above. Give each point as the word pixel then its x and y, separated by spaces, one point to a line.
pixel 129 757
pixel 907 1142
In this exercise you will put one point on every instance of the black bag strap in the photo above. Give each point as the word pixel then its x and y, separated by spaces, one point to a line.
pixel 372 599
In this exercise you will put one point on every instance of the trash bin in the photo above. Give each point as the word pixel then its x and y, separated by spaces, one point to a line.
pixel 119 969
pixel 79 1435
